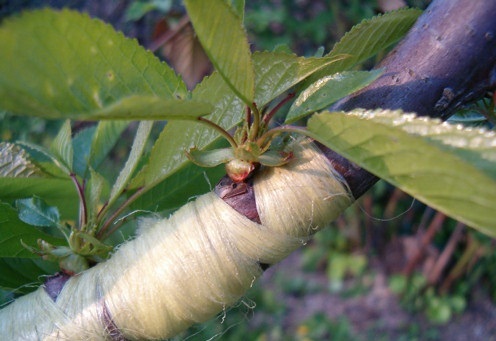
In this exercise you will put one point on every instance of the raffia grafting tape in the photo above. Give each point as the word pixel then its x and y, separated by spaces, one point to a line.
pixel 189 267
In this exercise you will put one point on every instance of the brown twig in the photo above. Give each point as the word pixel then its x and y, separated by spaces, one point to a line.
pixel 425 240
pixel 105 230
pixel 156 44
pixel 443 259
pixel 83 210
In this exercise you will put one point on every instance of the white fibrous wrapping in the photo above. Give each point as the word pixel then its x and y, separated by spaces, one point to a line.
pixel 189 267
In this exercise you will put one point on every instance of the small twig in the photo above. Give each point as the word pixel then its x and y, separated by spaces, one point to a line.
pixel 268 116
pixel 114 228
pixel 368 223
pixel 445 256
pixel 102 210
pixel 183 22
pixel 248 115
pixel 219 129
pixel 427 237
pixel 83 210
pixel 393 203
pixel 279 130
pixel 103 231
pixel 428 212
pixel 256 122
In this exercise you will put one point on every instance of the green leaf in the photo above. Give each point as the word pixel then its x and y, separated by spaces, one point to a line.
pixel 211 158
pixel 15 162
pixel 106 135
pixel 92 145
pixel 65 64
pixel 147 108
pixel 13 231
pixel 224 39
pixel 34 211
pixel 168 153
pixel 238 7
pixel 44 153
pixel 61 147
pixel 81 144
pixel 56 192
pixel 445 166
pixel 277 72
pixel 94 191
pixel 169 177
pixel 16 272
pixel 169 173
pixel 328 90
pixel 368 38
pixel 137 149
pixel 179 187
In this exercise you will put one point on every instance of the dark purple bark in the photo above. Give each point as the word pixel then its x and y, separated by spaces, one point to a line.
pixel 54 284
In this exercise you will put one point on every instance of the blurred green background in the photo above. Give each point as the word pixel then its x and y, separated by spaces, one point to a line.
pixel 389 268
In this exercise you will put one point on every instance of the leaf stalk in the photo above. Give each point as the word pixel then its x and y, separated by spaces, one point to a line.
pixel 219 129
pixel 83 210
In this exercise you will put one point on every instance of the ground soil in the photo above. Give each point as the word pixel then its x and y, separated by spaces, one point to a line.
pixel 376 313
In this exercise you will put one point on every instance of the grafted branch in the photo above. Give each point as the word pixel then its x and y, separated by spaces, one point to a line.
pixel 447 60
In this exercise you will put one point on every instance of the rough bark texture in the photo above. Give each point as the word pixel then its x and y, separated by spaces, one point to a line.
pixel 445 61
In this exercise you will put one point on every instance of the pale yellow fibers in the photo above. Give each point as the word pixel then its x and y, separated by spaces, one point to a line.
pixel 303 197
pixel 189 267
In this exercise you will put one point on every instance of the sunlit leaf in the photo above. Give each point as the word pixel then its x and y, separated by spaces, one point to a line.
pixel 169 175
pixel 16 163
pixel 277 72
pixel 75 66
pixel 147 108
pixel 94 191
pixel 61 147
pixel 368 38
pixel 445 166
pixel 328 90
pixel 135 155
pixel 224 39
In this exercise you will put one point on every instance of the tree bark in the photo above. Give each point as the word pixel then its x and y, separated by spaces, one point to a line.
pixel 447 59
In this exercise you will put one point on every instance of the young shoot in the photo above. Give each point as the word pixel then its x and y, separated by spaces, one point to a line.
pixel 251 145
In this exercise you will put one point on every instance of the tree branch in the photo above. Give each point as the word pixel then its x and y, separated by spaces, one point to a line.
pixel 447 59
